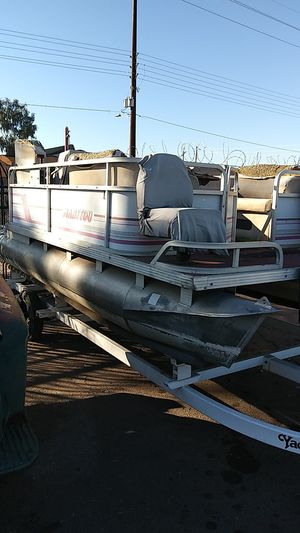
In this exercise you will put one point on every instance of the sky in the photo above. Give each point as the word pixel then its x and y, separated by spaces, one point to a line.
pixel 217 79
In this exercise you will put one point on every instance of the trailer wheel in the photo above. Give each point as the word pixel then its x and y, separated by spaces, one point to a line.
pixel 30 303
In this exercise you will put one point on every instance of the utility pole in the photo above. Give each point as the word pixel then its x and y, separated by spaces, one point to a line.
pixel 67 138
pixel 132 141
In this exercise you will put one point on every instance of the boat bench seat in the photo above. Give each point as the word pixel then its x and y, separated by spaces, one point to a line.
pixel 262 187
pixel 116 174
pixel 254 206
pixel 255 193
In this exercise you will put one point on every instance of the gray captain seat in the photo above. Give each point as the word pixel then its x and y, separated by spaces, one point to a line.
pixel 164 203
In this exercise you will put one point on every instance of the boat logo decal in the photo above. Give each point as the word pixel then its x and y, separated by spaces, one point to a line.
pixel 78 214
pixel 289 441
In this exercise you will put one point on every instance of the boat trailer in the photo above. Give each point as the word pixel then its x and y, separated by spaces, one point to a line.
pixel 181 379
pixel 74 233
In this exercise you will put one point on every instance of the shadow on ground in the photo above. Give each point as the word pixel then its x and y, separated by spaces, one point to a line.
pixel 126 463
pixel 117 455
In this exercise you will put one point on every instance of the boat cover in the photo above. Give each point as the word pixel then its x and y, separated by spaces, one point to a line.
pixel 164 202
pixel 191 224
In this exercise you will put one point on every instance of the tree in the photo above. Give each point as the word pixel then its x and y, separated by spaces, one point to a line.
pixel 15 123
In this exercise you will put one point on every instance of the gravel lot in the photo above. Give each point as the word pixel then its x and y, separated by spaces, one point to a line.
pixel 118 455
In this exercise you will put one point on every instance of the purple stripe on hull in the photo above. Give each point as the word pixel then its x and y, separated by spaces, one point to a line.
pixel 286 219
pixel 288 237
pixel 140 242
pixel 121 219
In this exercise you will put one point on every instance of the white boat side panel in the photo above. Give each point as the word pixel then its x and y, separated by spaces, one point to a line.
pixel 287 220
pixel 124 231
pixel 73 214
pixel 29 208
pixel 80 216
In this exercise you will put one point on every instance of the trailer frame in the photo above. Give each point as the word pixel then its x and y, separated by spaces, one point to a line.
pixel 181 381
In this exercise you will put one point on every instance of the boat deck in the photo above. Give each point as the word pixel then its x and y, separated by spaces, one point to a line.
pixel 245 264
pixel 291 259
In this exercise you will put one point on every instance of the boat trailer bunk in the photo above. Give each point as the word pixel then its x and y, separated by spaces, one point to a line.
pixel 51 239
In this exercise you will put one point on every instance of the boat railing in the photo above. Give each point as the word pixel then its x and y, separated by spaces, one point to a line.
pixel 51 169
pixel 277 193
pixel 39 199
pixel 273 216
pixel 282 205
pixel 234 258
pixel 220 192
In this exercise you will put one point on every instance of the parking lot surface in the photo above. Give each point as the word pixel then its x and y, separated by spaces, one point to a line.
pixel 119 455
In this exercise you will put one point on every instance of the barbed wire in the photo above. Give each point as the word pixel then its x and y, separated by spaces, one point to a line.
pixel 233 157
pixel 199 153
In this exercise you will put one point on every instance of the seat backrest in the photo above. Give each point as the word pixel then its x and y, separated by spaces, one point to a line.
pixel 163 181
pixel 262 186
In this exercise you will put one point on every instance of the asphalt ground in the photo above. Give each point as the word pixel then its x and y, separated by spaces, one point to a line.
pixel 119 455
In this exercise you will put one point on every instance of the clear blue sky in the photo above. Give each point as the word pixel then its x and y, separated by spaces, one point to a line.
pixel 196 69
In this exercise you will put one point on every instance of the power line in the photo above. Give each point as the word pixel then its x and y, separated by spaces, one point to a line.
pixel 285 7
pixel 40 49
pixel 71 55
pixel 161 62
pixel 241 24
pixel 174 75
pixel 169 123
pixel 94 110
pixel 165 71
pixel 217 89
pixel 262 13
pixel 193 80
pixel 217 134
pixel 71 43
pixel 222 98
pixel 183 68
pixel 232 98
pixel 121 62
pixel 65 65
